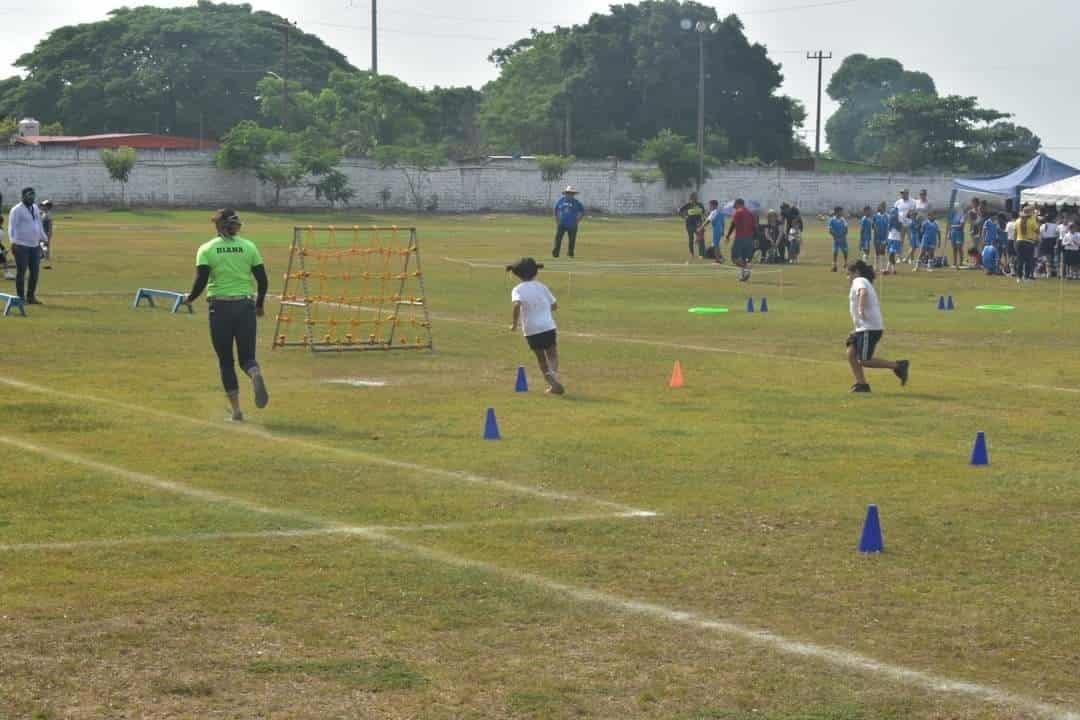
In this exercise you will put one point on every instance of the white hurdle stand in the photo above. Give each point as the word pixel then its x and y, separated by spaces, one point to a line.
pixel 12 301
pixel 149 294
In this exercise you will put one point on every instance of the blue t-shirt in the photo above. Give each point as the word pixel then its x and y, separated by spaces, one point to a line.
pixel 568 210
pixel 866 231
pixel 838 229
pixel 931 233
pixel 990 233
pixel 881 227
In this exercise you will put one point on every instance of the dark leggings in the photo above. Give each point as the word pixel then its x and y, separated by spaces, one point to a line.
pixel 26 259
pixel 1025 259
pixel 691 238
pixel 233 320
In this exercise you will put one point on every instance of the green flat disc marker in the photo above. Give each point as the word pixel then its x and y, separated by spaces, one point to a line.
pixel 996 308
pixel 708 310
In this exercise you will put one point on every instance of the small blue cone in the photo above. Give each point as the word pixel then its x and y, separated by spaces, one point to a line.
pixel 871 541
pixel 979 453
pixel 491 426
pixel 764 304
pixel 949 304
pixel 941 303
pixel 750 304
pixel 522 384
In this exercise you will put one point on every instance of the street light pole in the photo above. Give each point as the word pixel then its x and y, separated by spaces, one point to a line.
pixel 700 27
pixel 701 111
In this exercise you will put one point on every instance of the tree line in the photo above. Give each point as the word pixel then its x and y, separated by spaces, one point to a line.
pixel 622 84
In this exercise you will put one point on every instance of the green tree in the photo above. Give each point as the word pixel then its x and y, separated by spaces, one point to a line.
pixel 187 67
pixel 9 126
pixel 920 131
pixel 119 163
pixel 552 169
pixel 260 150
pixel 415 163
pixel 333 186
pixel 676 157
pixel 862 85
pixel 608 85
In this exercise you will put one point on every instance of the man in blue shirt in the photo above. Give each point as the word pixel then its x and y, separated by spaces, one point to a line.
pixel 838 230
pixel 568 213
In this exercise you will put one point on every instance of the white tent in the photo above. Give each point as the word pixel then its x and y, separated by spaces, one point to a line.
pixel 1063 191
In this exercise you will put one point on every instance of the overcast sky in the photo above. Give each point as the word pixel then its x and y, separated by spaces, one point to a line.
pixel 969 47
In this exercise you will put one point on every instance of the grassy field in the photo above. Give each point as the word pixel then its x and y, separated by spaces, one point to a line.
pixel 626 551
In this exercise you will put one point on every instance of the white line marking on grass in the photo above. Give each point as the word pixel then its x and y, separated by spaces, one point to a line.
pixel 158 483
pixel 779 643
pixel 457 475
pixel 162 540
pixel 1052 388
pixel 832 656
pixel 355 382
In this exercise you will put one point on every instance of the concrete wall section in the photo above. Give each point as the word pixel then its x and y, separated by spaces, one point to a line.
pixel 190 179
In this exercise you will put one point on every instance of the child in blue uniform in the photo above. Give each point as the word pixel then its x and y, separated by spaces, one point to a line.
pixel 881 236
pixel 838 229
pixel 931 234
pixel 991 237
pixel 956 237
pixel 866 233
pixel 895 244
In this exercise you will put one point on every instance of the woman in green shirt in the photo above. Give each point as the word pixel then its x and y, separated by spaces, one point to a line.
pixel 225 266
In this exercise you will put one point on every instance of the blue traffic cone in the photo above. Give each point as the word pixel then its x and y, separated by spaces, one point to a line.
pixel 750 304
pixel 941 303
pixel 979 453
pixel 522 384
pixel 871 541
pixel 949 304
pixel 491 426
pixel 764 304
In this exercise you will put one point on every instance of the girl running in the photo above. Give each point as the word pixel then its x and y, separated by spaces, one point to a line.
pixel 224 266
pixel 869 327
pixel 533 305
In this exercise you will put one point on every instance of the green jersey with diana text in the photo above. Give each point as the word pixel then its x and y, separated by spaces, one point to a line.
pixel 230 261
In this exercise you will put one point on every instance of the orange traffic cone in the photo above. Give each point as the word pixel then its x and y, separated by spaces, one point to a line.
pixel 676 376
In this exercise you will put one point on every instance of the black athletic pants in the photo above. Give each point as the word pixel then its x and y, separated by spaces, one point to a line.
pixel 233 321
pixel 691 238
pixel 26 258
pixel 1025 259
pixel 571 233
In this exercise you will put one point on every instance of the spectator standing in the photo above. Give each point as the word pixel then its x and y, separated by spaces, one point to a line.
pixel 693 214
pixel 1048 244
pixel 794 235
pixel 26 234
pixel 881 236
pixel 1070 249
pixel 715 220
pixel 956 238
pixel 905 208
pixel 47 226
pixel 743 226
pixel 1027 236
pixel 568 213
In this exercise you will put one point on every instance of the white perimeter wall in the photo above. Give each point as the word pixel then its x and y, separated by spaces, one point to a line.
pixel 190 179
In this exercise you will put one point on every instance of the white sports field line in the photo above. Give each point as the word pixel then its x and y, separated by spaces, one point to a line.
pixel 454 475
pixel 839 658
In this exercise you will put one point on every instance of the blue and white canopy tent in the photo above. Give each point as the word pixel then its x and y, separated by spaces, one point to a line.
pixel 1040 170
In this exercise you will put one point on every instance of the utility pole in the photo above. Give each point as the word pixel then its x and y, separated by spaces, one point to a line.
pixel 701 111
pixel 374 37
pixel 285 28
pixel 821 58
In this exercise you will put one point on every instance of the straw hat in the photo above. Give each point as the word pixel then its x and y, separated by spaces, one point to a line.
pixel 570 190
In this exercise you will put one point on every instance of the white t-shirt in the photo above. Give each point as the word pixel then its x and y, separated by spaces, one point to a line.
pixel 871 319
pixel 536 301
pixel 1071 241
pixel 905 208
pixel 1010 230
pixel 1048 231
pixel 922 207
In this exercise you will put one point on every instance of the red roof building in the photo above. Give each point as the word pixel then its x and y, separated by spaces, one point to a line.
pixel 139 141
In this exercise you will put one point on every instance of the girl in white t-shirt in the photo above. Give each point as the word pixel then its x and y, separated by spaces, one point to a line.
pixel 869 327
pixel 533 304
pixel 1070 248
